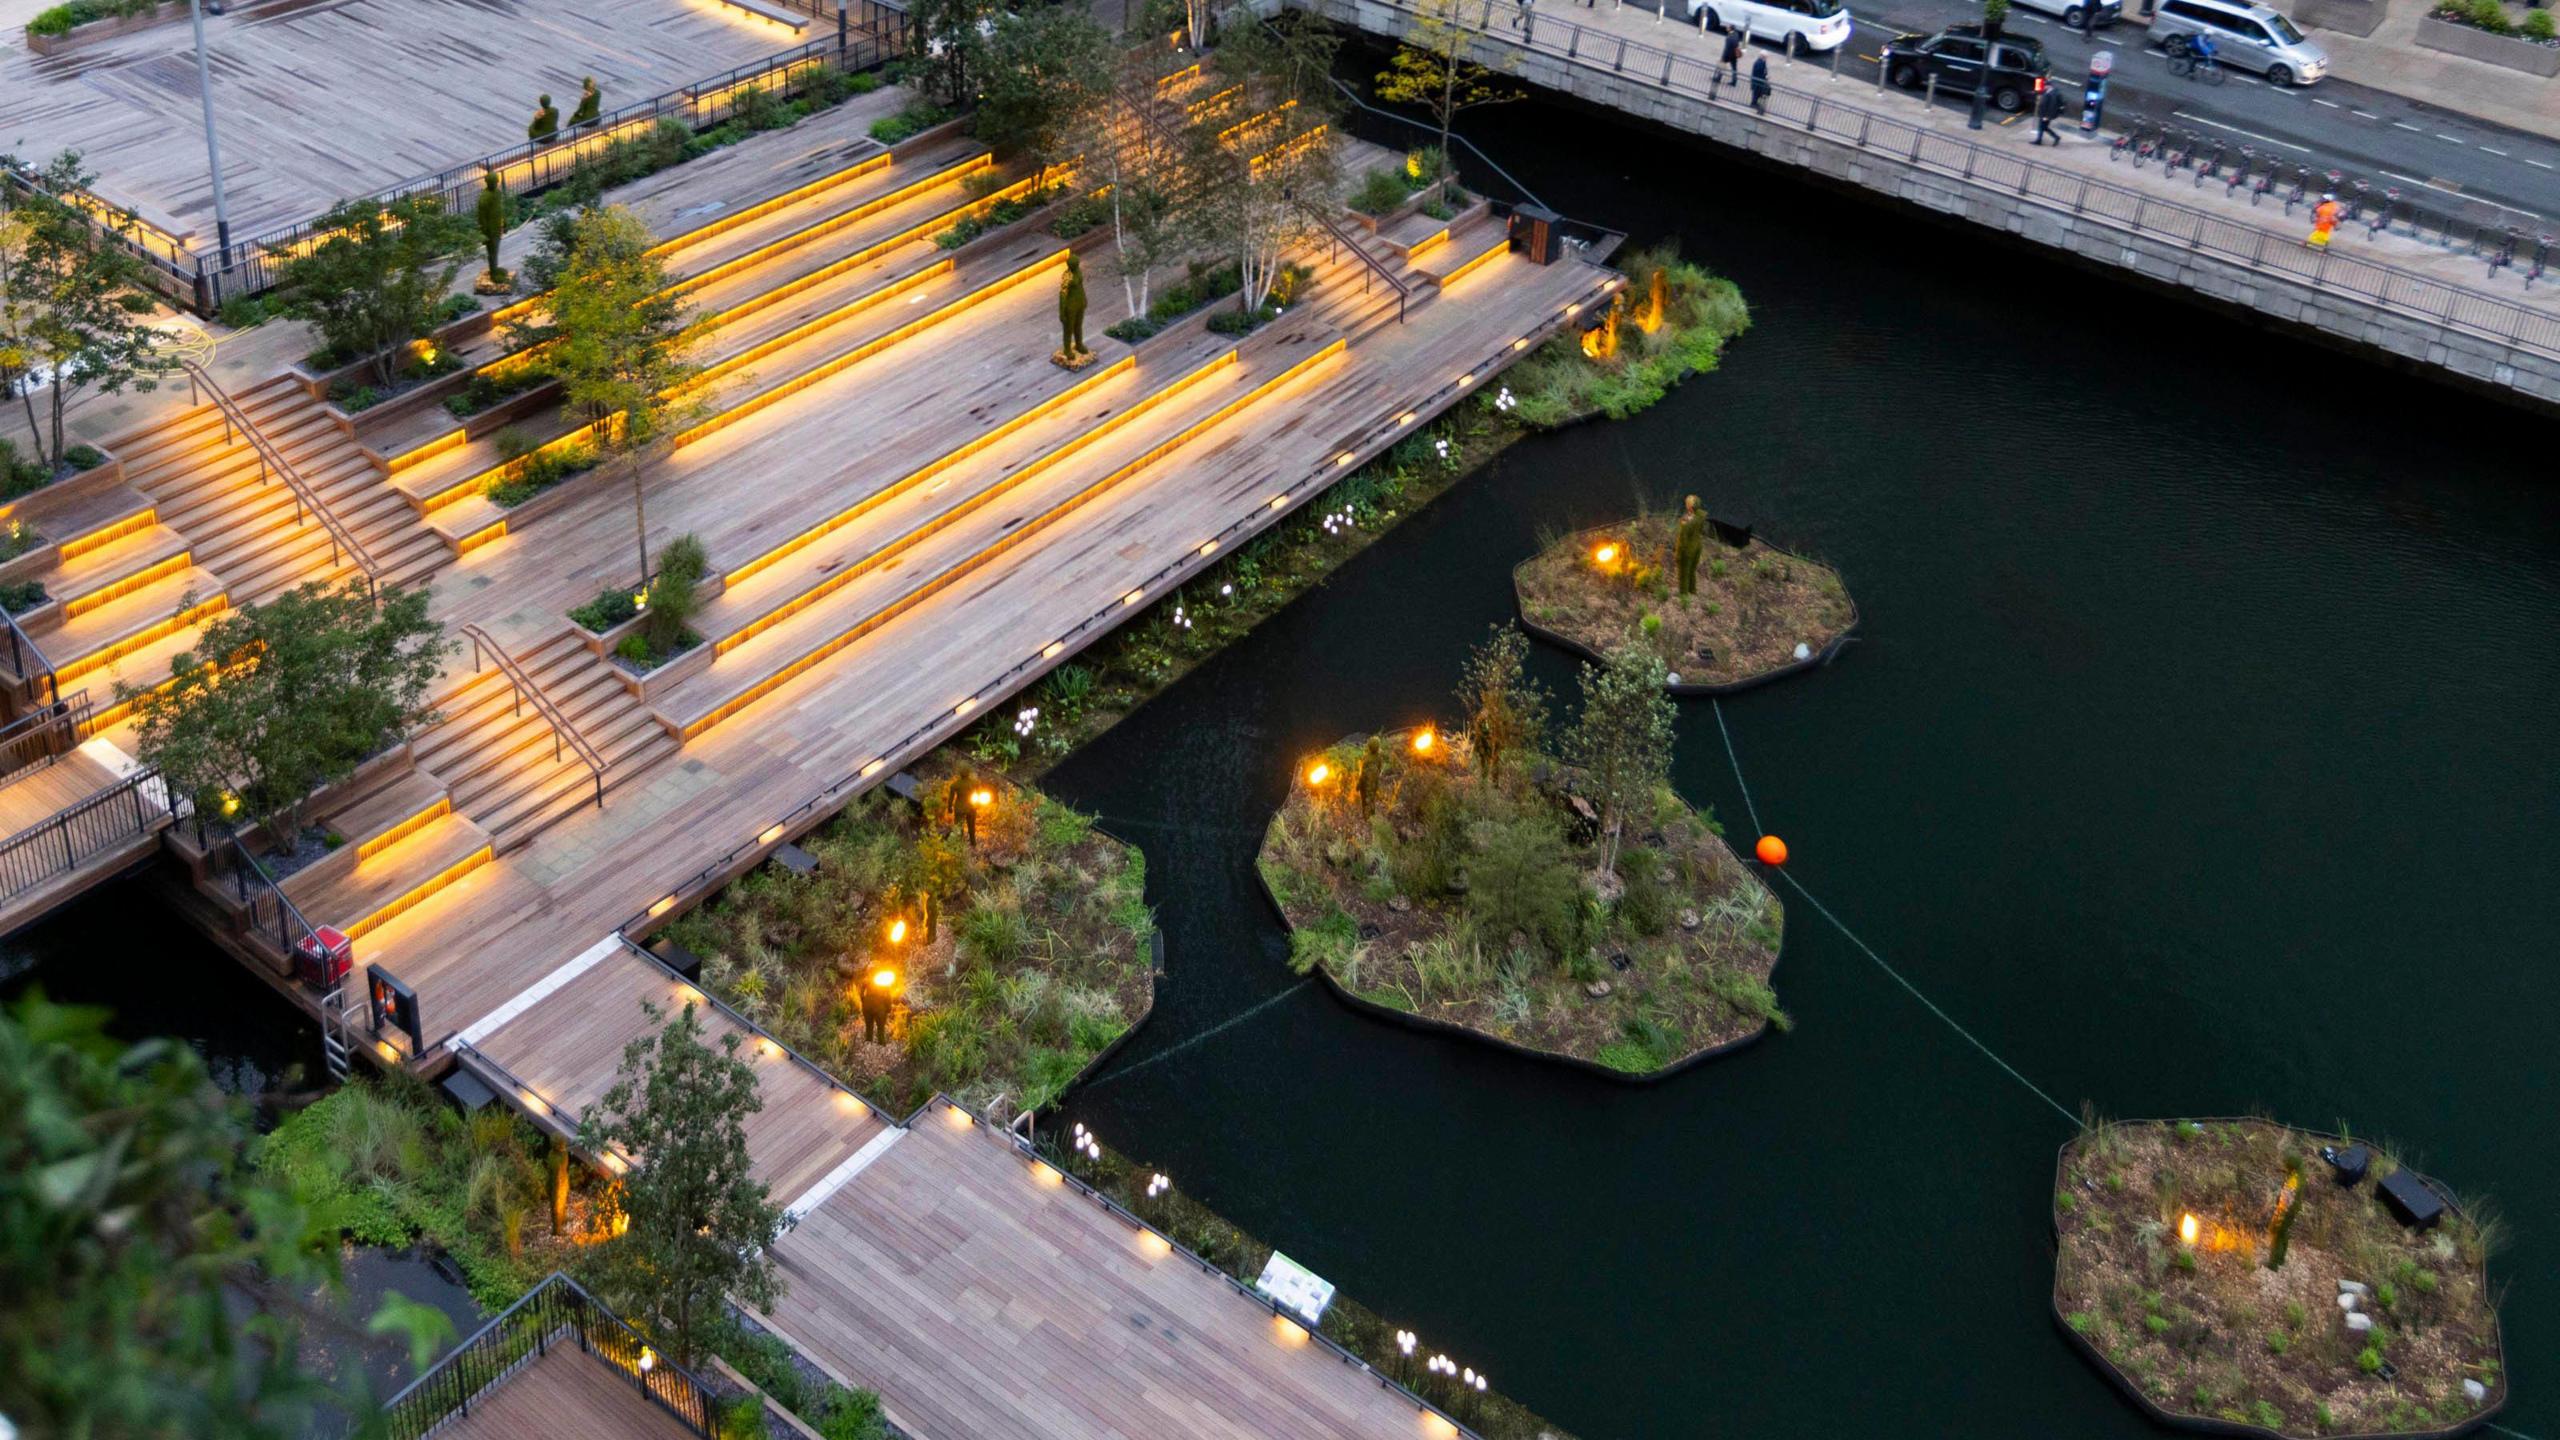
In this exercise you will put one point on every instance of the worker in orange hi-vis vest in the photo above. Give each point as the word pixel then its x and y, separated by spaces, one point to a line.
pixel 2323 220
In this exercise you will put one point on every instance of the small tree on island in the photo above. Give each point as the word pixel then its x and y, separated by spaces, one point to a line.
pixel 72 304
pixel 1048 73
pixel 133 1228
pixel 373 284
pixel 1506 710
pixel 278 699
pixel 1622 739
pixel 622 342
pixel 1431 69
pixel 701 1229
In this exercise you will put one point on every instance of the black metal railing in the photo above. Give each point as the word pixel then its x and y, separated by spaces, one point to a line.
pixel 524 688
pixel 263 901
pixel 1918 145
pixel 27 662
pixel 557 1314
pixel 44 734
pixel 135 807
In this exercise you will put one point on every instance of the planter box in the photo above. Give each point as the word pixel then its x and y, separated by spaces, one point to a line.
pixel 2347 17
pixel 1411 205
pixel 96 30
pixel 34 506
pixel 648 688
pixel 2502 50
pixel 317 383
pixel 352 423
pixel 488 422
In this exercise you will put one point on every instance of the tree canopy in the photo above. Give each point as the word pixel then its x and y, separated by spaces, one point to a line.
pixel 278 699
pixel 700 1228
pixel 373 284
pixel 72 303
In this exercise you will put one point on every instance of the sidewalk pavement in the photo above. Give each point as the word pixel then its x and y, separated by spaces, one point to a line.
pixel 2391 59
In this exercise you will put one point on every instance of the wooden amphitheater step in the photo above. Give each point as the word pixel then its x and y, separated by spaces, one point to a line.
pixel 95 640
pixel 499 759
pixel 1473 244
pixel 401 875
pixel 939 551
pixel 374 821
pixel 464 515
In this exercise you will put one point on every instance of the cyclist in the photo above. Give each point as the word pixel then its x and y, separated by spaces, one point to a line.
pixel 2200 49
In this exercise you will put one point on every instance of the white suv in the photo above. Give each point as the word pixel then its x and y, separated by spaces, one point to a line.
pixel 1799 25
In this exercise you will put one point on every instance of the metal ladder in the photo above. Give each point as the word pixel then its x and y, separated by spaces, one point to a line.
pixel 337 1032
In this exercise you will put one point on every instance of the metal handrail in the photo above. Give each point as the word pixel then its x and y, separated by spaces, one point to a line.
pixel 525 689
pixel 524 1333
pixel 270 459
pixel 1370 264
pixel 38 725
pixel 285 908
pixel 23 648
pixel 2387 286
pixel 80 843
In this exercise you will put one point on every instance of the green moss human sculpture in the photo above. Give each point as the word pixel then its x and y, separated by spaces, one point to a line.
pixel 590 104
pixel 546 122
pixel 491 211
pixel 1691 544
pixel 1071 310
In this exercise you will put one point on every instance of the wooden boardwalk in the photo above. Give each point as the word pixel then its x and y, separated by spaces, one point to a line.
pixel 319 101
pixel 566 1392
pixel 914 515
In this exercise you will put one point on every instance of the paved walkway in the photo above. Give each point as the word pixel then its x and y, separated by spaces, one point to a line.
pixel 2391 59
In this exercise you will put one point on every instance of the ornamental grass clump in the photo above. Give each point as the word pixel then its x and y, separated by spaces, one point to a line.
pixel 1666 331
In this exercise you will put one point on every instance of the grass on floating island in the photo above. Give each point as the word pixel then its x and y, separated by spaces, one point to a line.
pixel 1348 1323
pixel 2206 1329
pixel 1754 606
pixel 1670 321
pixel 1479 903
pixel 1039 955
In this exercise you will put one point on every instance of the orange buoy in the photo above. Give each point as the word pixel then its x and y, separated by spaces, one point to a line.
pixel 1771 850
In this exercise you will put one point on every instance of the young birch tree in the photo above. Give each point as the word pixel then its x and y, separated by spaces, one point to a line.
pixel 1622 739
pixel 1432 69
pixel 1260 186
pixel 72 305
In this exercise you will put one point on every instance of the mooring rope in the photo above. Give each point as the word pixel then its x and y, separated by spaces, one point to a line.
pixel 1869 950
pixel 2503 1430
pixel 1229 1023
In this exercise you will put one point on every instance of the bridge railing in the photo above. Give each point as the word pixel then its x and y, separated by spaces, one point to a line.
pixel 1652 67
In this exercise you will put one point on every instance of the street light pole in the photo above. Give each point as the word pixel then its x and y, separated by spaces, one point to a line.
pixel 212 146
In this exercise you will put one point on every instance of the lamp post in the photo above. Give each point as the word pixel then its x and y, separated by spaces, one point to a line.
pixel 212 146
pixel 840 4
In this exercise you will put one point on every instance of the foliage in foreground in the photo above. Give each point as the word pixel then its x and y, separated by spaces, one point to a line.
pixel 1038 956
pixel 1558 383
pixel 2242 1323
pixel 128 1224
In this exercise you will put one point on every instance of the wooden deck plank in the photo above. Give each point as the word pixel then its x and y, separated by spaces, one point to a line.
pixel 566 1391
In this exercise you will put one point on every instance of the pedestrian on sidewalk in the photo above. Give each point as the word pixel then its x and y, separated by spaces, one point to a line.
pixel 1733 53
pixel 2323 220
pixel 2048 105
pixel 1760 84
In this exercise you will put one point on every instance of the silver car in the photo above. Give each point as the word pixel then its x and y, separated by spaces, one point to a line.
pixel 2245 37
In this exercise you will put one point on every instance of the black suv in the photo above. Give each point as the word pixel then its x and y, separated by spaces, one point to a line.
pixel 1956 56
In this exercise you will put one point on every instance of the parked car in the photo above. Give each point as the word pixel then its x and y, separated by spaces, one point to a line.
pixel 2246 36
pixel 1959 53
pixel 1798 25
pixel 2101 13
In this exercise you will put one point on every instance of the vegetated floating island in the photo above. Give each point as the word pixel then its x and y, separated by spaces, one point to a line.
pixel 1669 322
pixel 1756 610
pixel 1024 954
pixel 1580 910
pixel 2226 1271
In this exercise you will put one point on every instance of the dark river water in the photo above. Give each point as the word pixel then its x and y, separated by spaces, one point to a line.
pixel 2194 754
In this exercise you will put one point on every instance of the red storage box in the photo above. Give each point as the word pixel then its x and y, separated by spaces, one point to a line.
pixel 324 957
